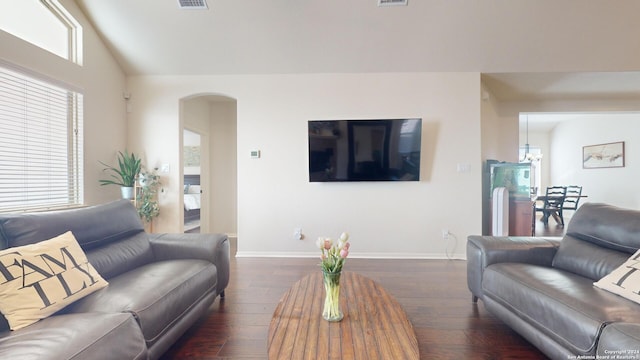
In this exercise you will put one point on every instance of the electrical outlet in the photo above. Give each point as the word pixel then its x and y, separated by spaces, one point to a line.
pixel 297 234
pixel 445 234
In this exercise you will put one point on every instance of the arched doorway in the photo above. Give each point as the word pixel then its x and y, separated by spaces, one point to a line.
pixel 212 163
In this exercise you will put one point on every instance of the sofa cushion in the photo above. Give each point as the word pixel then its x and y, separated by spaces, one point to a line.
pixel 587 259
pixel 619 341
pixel 599 238
pixel 607 226
pixel 88 225
pixel 91 336
pixel 116 258
pixel 157 294
pixel 39 279
pixel 625 280
pixel 564 306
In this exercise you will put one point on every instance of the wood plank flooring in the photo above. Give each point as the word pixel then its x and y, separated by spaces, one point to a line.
pixel 433 293
pixel 552 228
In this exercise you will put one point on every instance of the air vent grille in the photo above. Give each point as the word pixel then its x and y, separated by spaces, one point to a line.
pixel 392 2
pixel 193 4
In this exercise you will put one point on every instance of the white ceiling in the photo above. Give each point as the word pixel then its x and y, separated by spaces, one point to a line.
pixel 546 121
pixel 587 86
pixel 319 36
pixel 543 49
pixel 565 86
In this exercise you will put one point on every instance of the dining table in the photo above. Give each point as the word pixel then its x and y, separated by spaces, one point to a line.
pixel 551 212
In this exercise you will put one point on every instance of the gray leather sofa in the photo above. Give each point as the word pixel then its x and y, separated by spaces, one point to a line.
pixel 543 288
pixel 159 285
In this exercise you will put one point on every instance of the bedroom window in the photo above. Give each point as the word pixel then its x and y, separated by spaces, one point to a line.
pixel 40 142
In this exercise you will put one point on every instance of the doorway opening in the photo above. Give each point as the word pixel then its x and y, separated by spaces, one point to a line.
pixel 192 147
pixel 209 162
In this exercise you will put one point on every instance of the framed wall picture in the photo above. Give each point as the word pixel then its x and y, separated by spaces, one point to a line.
pixel 191 156
pixel 603 155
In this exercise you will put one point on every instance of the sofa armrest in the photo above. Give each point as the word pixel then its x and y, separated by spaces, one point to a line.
pixel 619 341
pixel 483 251
pixel 210 247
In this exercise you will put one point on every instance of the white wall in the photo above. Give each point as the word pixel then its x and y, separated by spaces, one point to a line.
pixel 101 81
pixel 498 143
pixel 223 167
pixel 616 186
pixel 274 195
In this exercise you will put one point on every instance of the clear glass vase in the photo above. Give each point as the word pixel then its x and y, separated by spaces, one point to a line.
pixel 331 310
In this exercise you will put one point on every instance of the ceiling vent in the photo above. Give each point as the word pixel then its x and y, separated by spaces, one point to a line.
pixel 392 2
pixel 193 4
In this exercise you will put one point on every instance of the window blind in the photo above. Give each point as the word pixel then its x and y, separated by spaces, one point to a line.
pixel 41 161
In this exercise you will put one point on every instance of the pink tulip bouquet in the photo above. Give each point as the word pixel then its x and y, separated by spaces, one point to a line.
pixel 333 253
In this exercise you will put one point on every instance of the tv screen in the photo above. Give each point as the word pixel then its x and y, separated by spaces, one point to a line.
pixel 364 150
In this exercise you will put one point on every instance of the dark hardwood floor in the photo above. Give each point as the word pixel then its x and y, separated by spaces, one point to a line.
pixel 433 293
pixel 552 228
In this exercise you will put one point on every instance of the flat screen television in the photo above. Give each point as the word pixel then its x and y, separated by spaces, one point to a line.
pixel 364 150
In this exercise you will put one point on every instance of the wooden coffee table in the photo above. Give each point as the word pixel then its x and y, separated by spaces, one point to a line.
pixel 374 325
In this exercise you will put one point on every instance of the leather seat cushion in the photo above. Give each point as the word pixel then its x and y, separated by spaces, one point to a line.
pixel 157 294
pixel 563 305
pixel 76 336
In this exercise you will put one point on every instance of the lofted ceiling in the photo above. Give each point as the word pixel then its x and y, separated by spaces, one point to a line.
pixel 565 86
pixel 543 49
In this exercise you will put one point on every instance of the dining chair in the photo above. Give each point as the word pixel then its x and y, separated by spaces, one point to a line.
pixel 572 198
pixel 552 204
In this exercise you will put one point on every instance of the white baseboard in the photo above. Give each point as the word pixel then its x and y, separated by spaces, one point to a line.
pixel 267 254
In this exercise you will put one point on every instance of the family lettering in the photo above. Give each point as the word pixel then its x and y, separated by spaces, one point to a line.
pixel 46 274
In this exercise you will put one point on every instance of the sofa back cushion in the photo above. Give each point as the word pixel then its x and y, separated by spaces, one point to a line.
pixel 587 259
pixel 111 234
pixel 599 238
pixel 92 226
pixel 119 257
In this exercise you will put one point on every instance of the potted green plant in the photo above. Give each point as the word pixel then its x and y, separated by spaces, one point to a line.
pixel 125 174
pixel 146 201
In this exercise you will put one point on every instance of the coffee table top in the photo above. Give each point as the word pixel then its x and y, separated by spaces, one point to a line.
pixel 374 325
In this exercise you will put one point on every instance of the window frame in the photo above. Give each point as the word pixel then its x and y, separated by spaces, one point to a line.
pixel 74 118
pixel 74 34
pixel 72 40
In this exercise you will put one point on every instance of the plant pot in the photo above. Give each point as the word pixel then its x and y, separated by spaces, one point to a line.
pixel 127 192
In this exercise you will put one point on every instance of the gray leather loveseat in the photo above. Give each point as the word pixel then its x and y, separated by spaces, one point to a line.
pixel 159 285
pixel 544 288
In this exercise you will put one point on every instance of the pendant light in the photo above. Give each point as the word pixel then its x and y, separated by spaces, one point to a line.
pixel 528 156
